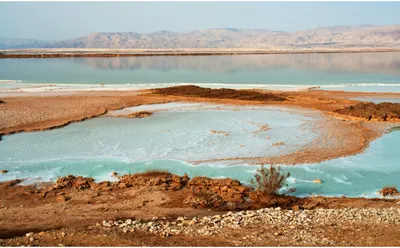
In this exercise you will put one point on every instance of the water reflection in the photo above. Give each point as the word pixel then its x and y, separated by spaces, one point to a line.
pixel 386 63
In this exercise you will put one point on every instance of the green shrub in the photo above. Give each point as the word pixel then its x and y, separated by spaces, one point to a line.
pixel 269 180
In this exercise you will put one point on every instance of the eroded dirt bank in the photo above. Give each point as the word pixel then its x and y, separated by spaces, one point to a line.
pixel 385 111
pixel 66 212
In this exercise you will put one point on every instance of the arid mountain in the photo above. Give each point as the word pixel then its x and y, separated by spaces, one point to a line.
pixel 338 36
pixel 23 43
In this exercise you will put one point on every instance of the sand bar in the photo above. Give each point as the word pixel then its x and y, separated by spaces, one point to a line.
pixel 98 52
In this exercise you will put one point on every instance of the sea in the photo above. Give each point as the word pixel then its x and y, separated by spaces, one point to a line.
pixel 192 138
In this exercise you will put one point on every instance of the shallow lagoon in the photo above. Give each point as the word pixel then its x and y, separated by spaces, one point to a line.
pixel 185 132
pixel 170 139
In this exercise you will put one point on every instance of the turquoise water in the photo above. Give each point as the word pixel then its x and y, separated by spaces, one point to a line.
pixel 185 134
pixel 178 134
pixel 356 72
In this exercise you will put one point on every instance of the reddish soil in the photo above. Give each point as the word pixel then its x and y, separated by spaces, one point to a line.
pixel 65 212
pixel 385 111
pixel 196 91
pixel 141 114
pixel 32 113
pixel 258 235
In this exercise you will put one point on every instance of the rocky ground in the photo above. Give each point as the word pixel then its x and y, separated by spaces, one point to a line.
pixel 263 227
pixel 162 209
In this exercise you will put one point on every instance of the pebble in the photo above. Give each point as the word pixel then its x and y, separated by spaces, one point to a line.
pixel 295 225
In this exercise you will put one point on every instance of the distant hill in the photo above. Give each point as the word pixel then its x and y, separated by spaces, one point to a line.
pixel 23 43
pixel 337 36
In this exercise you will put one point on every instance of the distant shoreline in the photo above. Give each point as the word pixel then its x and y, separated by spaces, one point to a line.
pixel 65 52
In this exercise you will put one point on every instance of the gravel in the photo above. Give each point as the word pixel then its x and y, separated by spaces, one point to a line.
pixel 295 225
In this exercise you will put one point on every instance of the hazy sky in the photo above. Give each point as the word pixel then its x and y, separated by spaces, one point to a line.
pixel 65 20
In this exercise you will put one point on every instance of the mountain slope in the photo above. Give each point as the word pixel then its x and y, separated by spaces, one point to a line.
pixel 23 43
pixel 337 36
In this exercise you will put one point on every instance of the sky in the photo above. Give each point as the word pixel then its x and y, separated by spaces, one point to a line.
pixel 67 20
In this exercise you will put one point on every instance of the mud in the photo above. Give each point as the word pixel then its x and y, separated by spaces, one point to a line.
pixel 385 111
pixel 196 91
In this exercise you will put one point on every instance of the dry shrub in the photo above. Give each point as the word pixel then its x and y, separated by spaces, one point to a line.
pixel 269 180
pixel 389 191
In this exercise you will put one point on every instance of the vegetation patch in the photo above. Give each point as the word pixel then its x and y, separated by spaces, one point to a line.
pixel 389 191
pixel 270 180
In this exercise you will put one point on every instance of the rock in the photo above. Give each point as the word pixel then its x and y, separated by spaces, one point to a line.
pixel 317 181
pixel 204 200
pixel 72 182
pixel 3 171
pixel 29 234
pixel 295 208
pixel 114 174
pixel 62 198
pixel 41 234
pixel 158 179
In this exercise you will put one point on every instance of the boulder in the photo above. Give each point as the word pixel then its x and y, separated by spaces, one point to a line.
pixel 158 179
pixel 73 182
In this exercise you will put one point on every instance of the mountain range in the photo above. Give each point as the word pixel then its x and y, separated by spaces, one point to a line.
pixel 336 36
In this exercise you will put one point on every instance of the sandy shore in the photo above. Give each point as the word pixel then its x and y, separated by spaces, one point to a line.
pixel 87 52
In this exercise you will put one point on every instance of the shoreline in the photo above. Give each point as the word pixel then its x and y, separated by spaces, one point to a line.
pixel 164 209
pixel 87 52
pixel 32 113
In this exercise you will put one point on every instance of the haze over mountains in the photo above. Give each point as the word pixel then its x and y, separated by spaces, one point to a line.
pixel 337 36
